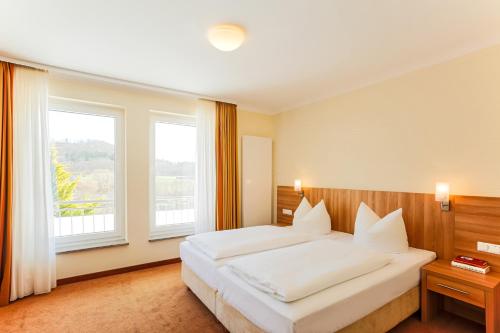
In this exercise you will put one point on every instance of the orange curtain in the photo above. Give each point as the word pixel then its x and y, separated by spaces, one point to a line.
pixel 6 74
pixel 226 151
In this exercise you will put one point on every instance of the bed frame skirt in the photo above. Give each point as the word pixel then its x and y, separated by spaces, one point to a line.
pixel 205 293
pixel 379 321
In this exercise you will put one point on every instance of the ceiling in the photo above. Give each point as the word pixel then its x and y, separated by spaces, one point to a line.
pixel 296 52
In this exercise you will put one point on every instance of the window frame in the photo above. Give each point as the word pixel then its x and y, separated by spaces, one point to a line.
pixel 174 230
pixel 119 235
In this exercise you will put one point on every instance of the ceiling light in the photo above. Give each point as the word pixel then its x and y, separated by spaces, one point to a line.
pixel 226 37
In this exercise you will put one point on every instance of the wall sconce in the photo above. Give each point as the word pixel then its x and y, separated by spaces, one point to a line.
pixel 297 186
pixel 443 195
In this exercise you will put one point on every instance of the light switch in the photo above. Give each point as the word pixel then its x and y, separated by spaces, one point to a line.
pixel 488 247
pixel 288 212
pixel 483 247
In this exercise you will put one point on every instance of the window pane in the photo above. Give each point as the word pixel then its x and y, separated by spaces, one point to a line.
pixel 83 172
pixel 175 154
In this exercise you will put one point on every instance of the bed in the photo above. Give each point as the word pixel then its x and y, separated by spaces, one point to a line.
pixel 373 302
pixel 200 272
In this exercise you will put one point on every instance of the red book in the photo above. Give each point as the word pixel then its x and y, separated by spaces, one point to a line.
pixel 471 261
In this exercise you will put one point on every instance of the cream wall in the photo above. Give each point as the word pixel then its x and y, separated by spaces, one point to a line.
pixel 251 123
pixel 137 104
pixel 404 134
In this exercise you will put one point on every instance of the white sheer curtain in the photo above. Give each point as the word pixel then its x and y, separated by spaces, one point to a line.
pixel 33 250
pixel 205 167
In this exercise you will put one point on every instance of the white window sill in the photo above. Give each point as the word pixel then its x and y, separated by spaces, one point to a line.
pixel 89 245
pixel 160 238
pixel 172 231
pixel 169 235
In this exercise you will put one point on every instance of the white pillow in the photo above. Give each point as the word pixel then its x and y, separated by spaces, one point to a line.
pixel 386 235
pixel 304 208
pixel 316 221
pixel 365 219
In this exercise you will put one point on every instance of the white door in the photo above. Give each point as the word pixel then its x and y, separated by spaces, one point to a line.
pixel 256 173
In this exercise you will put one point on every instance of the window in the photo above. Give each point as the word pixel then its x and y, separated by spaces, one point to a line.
pixel 172 176
pixel 86 142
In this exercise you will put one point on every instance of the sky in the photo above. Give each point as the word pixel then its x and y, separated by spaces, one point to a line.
pixel 184 137
pixel 74 127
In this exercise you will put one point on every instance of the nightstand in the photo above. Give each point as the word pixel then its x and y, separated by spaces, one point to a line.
pixel 440 279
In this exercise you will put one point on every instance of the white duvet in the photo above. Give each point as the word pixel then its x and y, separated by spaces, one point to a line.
pixel 229 243
pixel 294 272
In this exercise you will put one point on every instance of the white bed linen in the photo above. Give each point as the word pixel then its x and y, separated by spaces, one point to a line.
pixel 230 243
pixel 201 264
pixel 315 266
pixel 330 309
pixel 206 268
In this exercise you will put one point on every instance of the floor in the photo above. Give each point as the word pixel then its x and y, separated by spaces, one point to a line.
pixel 150 300
pixel 444 324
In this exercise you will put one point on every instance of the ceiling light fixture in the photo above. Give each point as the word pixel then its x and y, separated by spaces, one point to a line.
pixel 226 37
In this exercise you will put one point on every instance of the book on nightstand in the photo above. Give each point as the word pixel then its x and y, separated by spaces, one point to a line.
pixel 471 264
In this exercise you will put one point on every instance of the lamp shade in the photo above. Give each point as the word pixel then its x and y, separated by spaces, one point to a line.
pixel 297 185
pixel 226 37
pixel 442 192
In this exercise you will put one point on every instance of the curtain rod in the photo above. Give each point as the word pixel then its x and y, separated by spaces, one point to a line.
pixel 102 78
pixel 30 67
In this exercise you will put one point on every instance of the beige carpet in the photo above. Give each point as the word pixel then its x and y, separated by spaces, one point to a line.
pixel 151 300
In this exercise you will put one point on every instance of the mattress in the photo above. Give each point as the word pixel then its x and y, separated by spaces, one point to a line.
pixel 331 309
pixel 206 268
pixel 201 264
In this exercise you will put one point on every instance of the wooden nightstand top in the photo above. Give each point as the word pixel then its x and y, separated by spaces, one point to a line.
pixel 443 268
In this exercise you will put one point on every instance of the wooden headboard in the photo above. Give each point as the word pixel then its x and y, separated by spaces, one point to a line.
pixel 469 220
pixel 477 219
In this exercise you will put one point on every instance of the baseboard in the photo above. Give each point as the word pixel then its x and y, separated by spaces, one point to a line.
pixel 115 271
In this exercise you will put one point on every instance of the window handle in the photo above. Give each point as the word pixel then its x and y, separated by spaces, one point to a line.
pixel 454 289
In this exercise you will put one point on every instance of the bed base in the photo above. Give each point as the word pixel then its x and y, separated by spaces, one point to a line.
pixel 202 290
pixel 379 321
